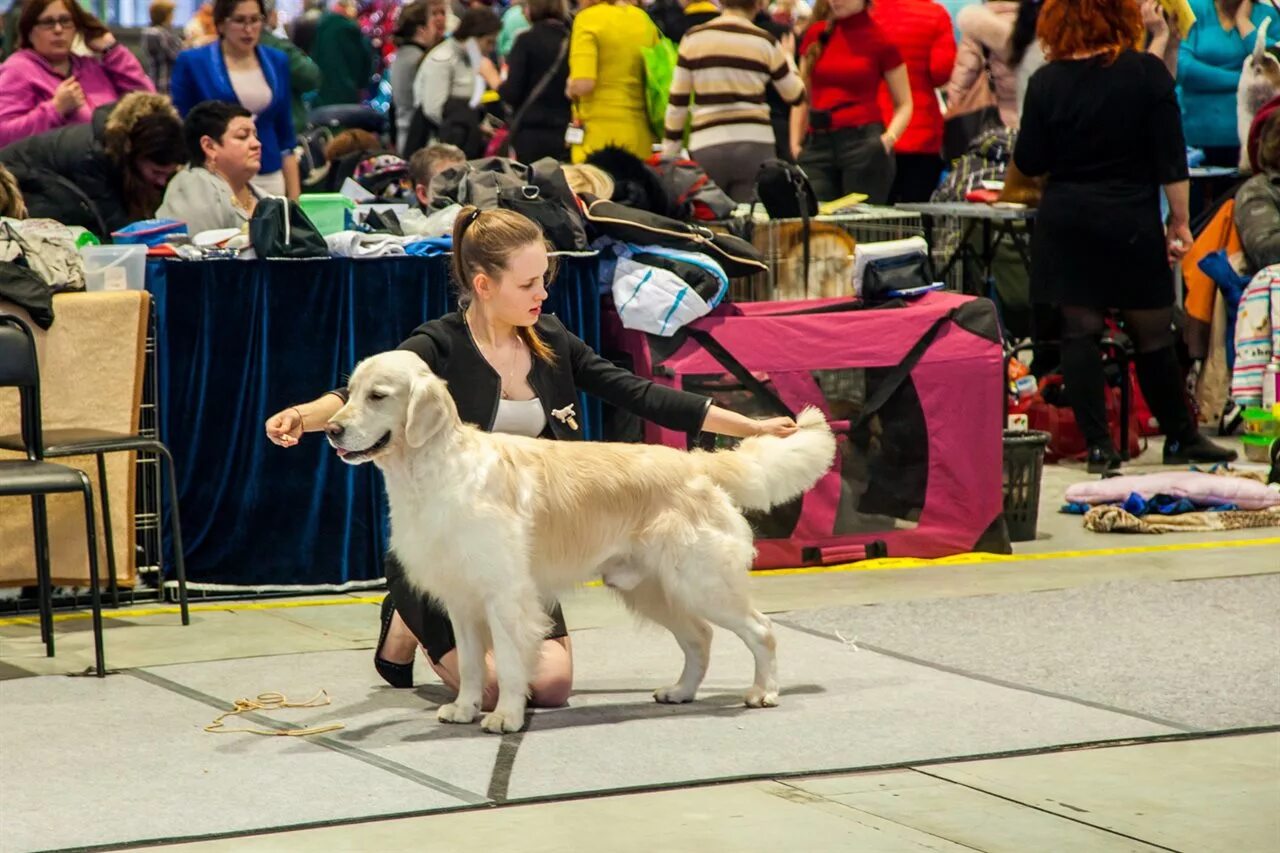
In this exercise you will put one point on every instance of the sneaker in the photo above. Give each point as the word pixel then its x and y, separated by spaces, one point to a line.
pixel 1196 449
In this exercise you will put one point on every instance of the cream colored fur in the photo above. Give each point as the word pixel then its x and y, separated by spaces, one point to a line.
pixel 1259 82
pixel 492 525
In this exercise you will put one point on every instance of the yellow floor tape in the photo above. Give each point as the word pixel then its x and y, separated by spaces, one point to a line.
pixel 887 564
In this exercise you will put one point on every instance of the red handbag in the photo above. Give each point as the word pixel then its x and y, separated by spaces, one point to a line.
pixel 1065 438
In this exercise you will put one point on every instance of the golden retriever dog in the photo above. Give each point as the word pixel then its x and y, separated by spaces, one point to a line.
pixel 492 525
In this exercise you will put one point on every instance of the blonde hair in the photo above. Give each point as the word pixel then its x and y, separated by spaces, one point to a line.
pixel 483 241
pixel 11 203
pixel 821 13
pixel 586 178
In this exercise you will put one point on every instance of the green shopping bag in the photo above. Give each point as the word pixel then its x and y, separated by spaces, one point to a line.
pixel 659 68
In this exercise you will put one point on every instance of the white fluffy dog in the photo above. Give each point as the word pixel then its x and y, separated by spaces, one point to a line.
pixel 1259 83
pixel 491 525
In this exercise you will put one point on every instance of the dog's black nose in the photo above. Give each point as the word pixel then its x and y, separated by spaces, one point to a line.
pixel 334 430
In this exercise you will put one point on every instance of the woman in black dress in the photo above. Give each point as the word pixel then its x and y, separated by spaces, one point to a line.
pixel 509 370
pixel 1102 121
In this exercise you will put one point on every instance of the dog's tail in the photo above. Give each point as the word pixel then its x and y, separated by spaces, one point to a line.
pixel 766 470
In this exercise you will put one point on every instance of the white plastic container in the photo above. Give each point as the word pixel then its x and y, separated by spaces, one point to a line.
pixel 114 267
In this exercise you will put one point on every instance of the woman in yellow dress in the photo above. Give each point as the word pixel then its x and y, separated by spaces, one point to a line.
pixel 606 77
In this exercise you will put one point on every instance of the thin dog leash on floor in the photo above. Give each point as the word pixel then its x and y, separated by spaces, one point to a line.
pixel 270 702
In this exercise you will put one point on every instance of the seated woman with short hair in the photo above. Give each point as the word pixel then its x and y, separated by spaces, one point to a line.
pixel 225 153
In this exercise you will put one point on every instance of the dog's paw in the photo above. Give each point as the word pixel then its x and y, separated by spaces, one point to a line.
pixel 673 695
pixel 455 713
pixel 758 697
pixel 499 723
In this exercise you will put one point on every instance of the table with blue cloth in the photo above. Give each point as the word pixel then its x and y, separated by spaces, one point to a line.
pixel 238 341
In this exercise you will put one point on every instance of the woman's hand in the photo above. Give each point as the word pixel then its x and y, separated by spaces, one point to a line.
pixel 284 428
pixel 68 97
pixel 780 427
pixel 1178 241
pixel 887 140
pixel 100 43
pixel 1153 19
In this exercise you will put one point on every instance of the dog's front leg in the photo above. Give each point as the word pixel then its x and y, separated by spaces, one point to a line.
pixel 512 660
pixel 468 633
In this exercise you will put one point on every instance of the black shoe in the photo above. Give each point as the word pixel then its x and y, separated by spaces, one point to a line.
pixel 395 674
pixel 1103 459
pixel 1196 449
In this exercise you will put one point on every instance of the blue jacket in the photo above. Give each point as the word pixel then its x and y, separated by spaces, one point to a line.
pixel 1209 65
pixel 200 74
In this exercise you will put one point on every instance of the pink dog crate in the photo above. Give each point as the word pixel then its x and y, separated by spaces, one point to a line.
pixel 914 393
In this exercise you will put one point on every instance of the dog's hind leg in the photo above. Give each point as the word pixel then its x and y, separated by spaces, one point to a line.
pixel 517 625
pixel 468 631
pixel 711 582
pixel 756 630
pixel 650 600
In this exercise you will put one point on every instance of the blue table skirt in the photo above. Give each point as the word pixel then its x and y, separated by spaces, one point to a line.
pixel 240 340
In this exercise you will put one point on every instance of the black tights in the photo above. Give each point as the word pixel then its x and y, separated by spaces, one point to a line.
pixel 1159 374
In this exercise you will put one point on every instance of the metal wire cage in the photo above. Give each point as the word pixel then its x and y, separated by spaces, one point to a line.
pixel 147 507
pixel 831 243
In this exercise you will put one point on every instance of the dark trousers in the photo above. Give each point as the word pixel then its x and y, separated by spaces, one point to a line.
pixel 916 178
pixel 849 160
pixel 533 143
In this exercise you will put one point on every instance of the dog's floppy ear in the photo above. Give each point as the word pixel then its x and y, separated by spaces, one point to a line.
pixel 427 412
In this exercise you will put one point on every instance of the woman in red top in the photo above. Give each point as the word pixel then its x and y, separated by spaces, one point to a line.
pixel 922 32
pixel 840 139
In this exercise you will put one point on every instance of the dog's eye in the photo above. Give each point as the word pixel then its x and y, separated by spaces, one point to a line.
pixel 375 396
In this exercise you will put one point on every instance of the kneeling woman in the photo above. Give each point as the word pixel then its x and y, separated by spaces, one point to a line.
pixel 509 370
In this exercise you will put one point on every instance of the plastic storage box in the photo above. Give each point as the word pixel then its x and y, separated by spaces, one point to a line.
pixel 115 267
pixel 327 211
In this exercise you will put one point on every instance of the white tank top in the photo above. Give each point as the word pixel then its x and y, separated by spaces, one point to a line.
pixel 251 88
pixel 520 417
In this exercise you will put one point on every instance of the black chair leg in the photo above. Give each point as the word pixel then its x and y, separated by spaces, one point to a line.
pixel 40 526
pixel 95 592
pixel 107 534
pixel 180 564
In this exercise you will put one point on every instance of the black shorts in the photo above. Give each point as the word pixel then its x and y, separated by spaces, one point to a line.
pixel 427 620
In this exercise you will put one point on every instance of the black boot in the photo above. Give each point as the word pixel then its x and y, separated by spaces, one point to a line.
pixel 1086 389
pixel 395 674
pixel 1161 380
pixel 1103 459
pixel 1195 449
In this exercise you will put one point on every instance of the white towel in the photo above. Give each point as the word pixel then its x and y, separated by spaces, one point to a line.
pixel 357 244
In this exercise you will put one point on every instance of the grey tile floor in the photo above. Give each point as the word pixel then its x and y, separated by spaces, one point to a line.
pixel 1202 794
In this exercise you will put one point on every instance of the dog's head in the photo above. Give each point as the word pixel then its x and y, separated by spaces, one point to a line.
pixel 395 403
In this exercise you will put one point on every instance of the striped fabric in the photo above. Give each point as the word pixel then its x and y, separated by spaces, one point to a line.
pixel 724 69
pixel 1257 336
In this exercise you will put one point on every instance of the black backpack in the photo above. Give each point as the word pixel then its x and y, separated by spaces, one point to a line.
pixel 784 190
pixel 279 229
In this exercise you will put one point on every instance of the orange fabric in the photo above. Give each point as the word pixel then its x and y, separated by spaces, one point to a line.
pixel 1199 289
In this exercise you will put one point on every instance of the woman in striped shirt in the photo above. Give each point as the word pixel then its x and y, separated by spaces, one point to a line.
pixel 725 68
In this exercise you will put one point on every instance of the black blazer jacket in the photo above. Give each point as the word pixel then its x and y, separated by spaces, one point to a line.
pixel 447 347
